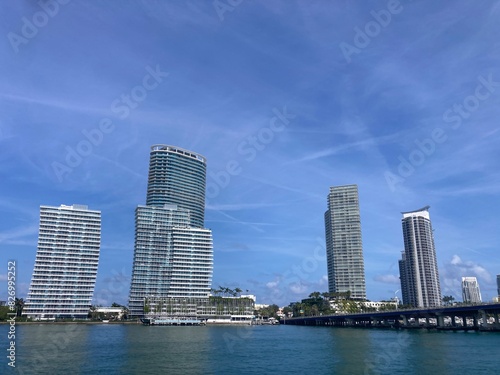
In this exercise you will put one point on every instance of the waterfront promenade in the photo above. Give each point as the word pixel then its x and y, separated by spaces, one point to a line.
pixel 482 317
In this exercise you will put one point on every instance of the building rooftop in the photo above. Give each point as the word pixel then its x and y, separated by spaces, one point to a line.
pixel 424 211
pixel 180 151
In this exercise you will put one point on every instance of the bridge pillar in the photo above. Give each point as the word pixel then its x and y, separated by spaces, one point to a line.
pixel 440 321
pixel 483 315
pixel 497 322
pixel 405 321
pixel 453 321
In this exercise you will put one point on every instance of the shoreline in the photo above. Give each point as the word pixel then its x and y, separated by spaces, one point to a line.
pixel 75 322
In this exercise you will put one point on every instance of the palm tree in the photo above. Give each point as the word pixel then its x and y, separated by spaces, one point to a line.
pixel 238 291
pixel 448 300
pixel 222 290
pixel 93 312
pixel 125 312
pixel 19 303
pixel 315 295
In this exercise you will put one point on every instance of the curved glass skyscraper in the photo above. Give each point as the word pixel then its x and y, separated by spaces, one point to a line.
pixel 177 176
pixel 173 252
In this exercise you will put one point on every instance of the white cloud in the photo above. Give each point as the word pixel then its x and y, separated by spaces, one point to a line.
pixel 298 288
pixel 323 280
pixel 18 233
pixel 388 279
pixel 272 284
pixel 455 269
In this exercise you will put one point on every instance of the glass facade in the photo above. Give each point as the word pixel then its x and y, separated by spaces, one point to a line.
pixel 470 290
pixel 64 275
pixel 171 259
pixel 498 285
pixel 177 176
pixel 344 249
pixel 418 267
pixel 173 253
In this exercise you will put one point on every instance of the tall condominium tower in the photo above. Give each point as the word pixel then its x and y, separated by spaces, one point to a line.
pixel 470 290
pixel 498 285
pixel 418 266
pixel 173 253
pixel 344 250
pixel 171 259
pixel 177 176
pixel 66 262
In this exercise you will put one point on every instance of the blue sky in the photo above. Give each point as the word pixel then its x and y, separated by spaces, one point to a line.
pixel 285 99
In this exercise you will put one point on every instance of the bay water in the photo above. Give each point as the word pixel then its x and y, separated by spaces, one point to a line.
pixel 73 349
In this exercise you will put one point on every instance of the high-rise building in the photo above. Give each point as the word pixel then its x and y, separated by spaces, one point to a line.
pixel 177 176
pixel 66 263
pixel 171 258
pixel 173 253
pixel 470 290
pixel 402 278
pixel 418 266
pixel 344 250
pixel 498 285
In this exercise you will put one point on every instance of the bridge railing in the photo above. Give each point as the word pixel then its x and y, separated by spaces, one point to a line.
pixel 441 307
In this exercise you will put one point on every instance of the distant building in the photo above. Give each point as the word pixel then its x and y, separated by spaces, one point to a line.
pixel 418 265
pixel 344 250
pixel 498 285
pixel 109 311
pixel 360 306
pixel 173 252
pixel 259 306
pixel 63 281
pixel 470 290
pixel 250 296
pixel 202 308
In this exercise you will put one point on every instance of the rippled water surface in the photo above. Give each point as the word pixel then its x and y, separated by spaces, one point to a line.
pixel 134 349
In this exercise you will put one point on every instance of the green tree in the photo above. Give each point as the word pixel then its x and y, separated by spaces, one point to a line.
pixel 315 295
pixel 19 303
pixel 448 300
pixel 93 312
pixel 326 295
pixel 4 310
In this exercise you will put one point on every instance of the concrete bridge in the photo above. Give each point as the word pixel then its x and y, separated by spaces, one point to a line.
pixel 483 317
